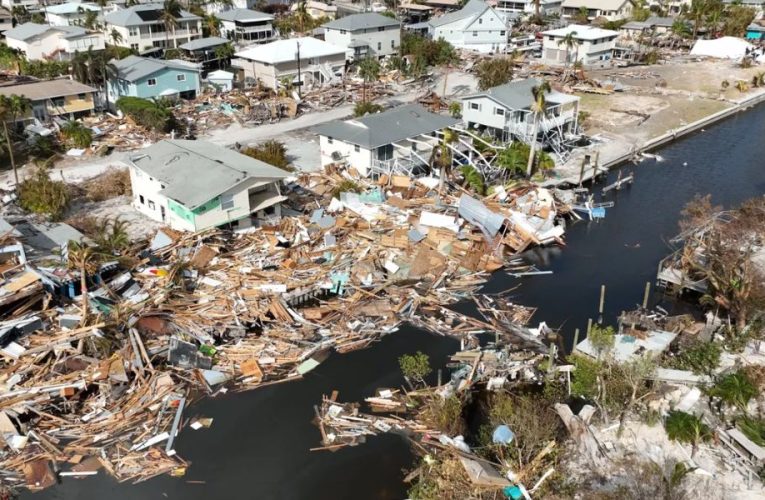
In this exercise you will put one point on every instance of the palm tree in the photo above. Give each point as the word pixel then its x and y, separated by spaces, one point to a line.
pixel 79 67
pixel 224 53
pixel 11 108
pixel 171 11
pixel 538 107
pixel 82 258
pixel 441 157
pixel 91 20
pixel 302 17
pixel 76 134
pixel 211 25
pixel 369 69
pixel 113 236
pixel 116 36
pixel 569 41
pixel 687 428
pixel 734 389
pixel 536 9
pixel 698 12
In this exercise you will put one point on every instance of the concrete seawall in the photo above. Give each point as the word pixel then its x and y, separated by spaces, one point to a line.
pixel 630 150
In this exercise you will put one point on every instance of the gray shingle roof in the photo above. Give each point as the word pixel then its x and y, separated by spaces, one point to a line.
pixel 204 43
pixel 244 15
pixel 472 9
pixel 27 31
pixel 518 95
pixel 368 20
pixel 195 172
pixel 387 127
pixel 133 68
pixel 46 89
pixel 130 15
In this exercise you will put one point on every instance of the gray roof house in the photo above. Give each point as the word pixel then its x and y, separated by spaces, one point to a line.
pixel 505 112
pixel 248 25
pixel 396 141
pixel 477 26
pixel 41 41
pixel 204 51
pixel 142 28
pixel 194 185
pixel 367 34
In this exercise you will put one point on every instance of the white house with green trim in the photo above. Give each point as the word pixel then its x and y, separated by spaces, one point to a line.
pixel 195 185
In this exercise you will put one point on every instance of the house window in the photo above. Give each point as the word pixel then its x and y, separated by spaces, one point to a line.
pixel 475 33
pixel 330 140
pixel 151 82
pixel 475 105
pixel 499 111
pixel 357 148
pixel 379 45
pixel 142 199
pixel 343 32
pixel 81 96
pixel 381 28
pixel 134 46
pixel 151 205
pixel 58 102
pixel 480 21
pixel 551 38
pixel 501 33
pixel 180 78
pixel 134 31
pixel 226 201
pixel 392 44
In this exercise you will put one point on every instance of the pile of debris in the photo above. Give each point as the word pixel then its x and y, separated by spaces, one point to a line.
pixel 99 361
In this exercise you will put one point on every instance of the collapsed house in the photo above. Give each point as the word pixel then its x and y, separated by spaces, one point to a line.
pixel 398 141
pixel 505 112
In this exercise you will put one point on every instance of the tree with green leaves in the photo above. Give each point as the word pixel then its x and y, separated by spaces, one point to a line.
pixel 91 20
pixel 363 108
pixel 84 259
pixel 11 108
pixel 473 179
pixel 539 108
pixel 40 194
pixel 112 236
pixel 224 53
pixel 171 11
pixel 493 72
pixel 734 389
pixel 369 70
pixel 570 41
pixel 634 373
pixel 415 367
pixel 211 25
pixel 455 109
pixel 115 36
pixel 76 135
pixel 687 428
pixel 602 339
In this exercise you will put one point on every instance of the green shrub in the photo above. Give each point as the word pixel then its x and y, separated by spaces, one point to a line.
pixel 362 108
pixel 272 152
pixel 151 114
pixel 41 195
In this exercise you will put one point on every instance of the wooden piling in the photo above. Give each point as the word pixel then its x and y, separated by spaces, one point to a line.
pixel 646 294
pixel 576 339
pixel 589 325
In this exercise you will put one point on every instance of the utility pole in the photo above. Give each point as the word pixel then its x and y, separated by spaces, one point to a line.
pixel 300 81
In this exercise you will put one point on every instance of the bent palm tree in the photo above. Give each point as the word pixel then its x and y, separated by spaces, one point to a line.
pixel 538 107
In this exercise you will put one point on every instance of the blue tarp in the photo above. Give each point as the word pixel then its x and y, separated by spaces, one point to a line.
pixel 502 435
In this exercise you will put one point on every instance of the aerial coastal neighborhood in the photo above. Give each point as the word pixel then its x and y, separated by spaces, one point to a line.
pixel 209 197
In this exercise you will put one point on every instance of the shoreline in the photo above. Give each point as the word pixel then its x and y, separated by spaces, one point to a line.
pixel 626 151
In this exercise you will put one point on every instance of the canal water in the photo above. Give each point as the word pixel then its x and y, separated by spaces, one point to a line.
pixel 258 445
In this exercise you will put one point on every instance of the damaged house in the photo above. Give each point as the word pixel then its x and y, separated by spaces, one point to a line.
pixel 400 140
pixel 505 112
pixel 195 185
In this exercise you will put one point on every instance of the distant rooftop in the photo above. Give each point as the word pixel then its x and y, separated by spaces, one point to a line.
pixel 204 43
pixel 356 22
pixel 581 32
pixel 133 68
pixel 286 50
pixel 142 14
pixel 244 15
pixel 46 89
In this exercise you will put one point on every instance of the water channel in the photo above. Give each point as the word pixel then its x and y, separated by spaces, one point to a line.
pixel 258 445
